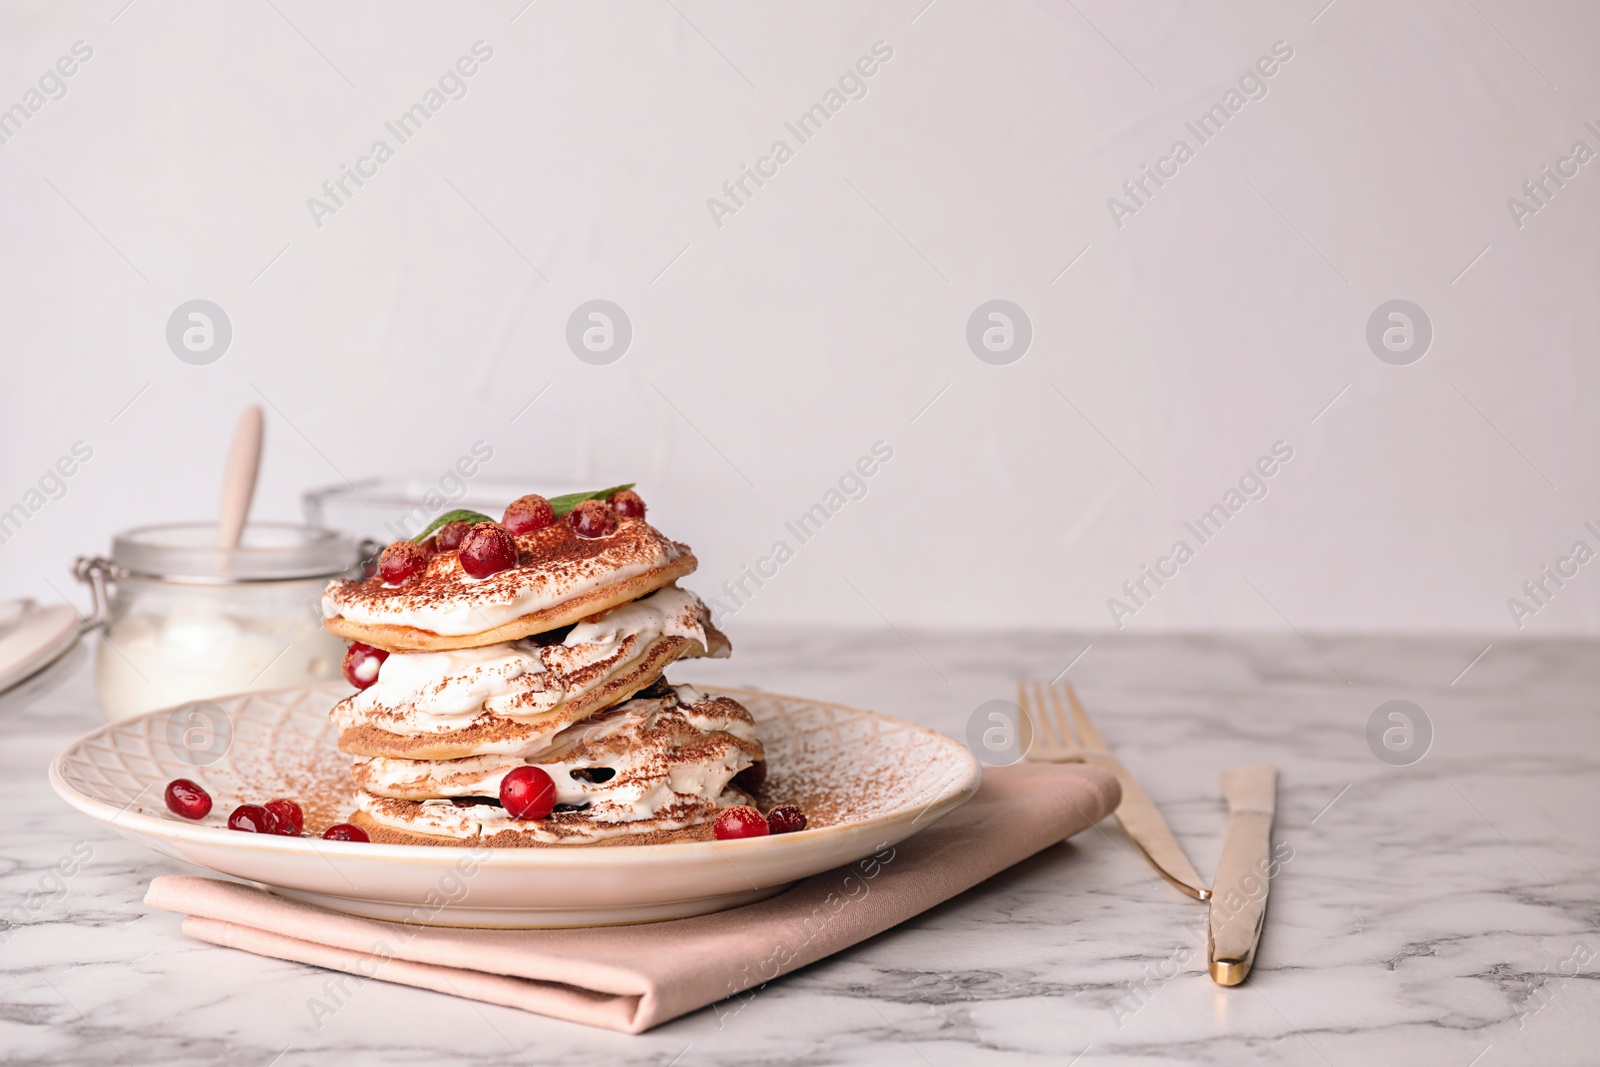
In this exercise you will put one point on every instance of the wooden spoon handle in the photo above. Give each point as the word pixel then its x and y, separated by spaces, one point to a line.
pixel 239 480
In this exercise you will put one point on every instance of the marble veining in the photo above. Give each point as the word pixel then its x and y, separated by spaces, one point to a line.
pixel 1441 913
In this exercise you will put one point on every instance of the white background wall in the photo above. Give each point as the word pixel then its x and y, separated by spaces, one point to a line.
pixel 825 315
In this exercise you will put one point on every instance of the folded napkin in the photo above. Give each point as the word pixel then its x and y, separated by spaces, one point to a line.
pixel 631 978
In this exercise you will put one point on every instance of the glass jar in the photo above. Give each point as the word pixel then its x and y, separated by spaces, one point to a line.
pixel 399 506
pixel 182 619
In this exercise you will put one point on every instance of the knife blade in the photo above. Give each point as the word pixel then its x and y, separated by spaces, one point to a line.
pixel 1143 824
pixel 1137 814
pixel 1239 892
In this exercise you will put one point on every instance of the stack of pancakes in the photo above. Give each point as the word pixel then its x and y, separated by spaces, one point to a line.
pixel 556 662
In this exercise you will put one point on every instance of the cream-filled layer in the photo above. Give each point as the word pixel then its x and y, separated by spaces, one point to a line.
pixel 420 693
pixel 658 760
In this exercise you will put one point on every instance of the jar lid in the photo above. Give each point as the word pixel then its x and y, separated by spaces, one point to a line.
pixel 267 551
pixel 33 637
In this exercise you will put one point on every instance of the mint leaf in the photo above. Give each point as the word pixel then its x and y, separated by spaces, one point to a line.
pixel 564 504
pixel 458 515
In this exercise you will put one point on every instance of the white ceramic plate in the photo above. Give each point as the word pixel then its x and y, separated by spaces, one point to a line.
pixel 865 780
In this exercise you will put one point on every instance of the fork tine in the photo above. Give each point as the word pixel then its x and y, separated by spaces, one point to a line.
pixel 1032 717
pixel 1039 728
pixel 1058 717
pixel 1022 706
pixel 1091 736
pixel 1052 723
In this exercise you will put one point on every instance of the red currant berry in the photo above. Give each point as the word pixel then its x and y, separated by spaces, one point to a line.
pixel 593 519
pixel 402 561
pixel 253 819
pixel 448 537
pixel 345 832
pixel 528 793
pixel 187 799
pixel 529 513
pixel 487 549
pixel 742 821
pixel 786 819
pixel 291 820
pixel 627 504
pixel 361 663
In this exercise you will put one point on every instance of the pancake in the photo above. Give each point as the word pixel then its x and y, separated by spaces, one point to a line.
pixel 512 698
pixel 386 835
pixel 657 765
pixel 560 579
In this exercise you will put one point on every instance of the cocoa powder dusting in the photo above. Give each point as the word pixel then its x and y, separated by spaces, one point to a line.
pixel 552 562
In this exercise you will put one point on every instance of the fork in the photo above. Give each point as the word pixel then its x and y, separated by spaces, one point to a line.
pixel 1056 741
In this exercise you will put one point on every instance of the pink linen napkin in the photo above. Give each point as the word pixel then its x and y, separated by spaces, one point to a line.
pixel 631 978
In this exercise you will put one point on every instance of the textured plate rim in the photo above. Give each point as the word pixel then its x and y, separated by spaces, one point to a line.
pixel 688 852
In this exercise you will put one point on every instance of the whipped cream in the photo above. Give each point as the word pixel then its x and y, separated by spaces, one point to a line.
pixel 671 758
pixel 422 693
pixel 448 601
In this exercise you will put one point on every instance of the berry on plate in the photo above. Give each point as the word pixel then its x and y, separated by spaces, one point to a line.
pixel 345 832
pixel 786 819
pixel 186 798
pixel 253 819
pixel 290 819
pixel 742 821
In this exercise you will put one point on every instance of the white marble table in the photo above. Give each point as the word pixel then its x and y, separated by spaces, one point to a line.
pixel 1423 919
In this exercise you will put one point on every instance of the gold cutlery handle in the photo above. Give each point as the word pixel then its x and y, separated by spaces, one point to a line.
pixel 1239 893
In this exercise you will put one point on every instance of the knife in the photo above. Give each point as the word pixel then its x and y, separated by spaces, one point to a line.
pixel 1137 814
pixel 1239 892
